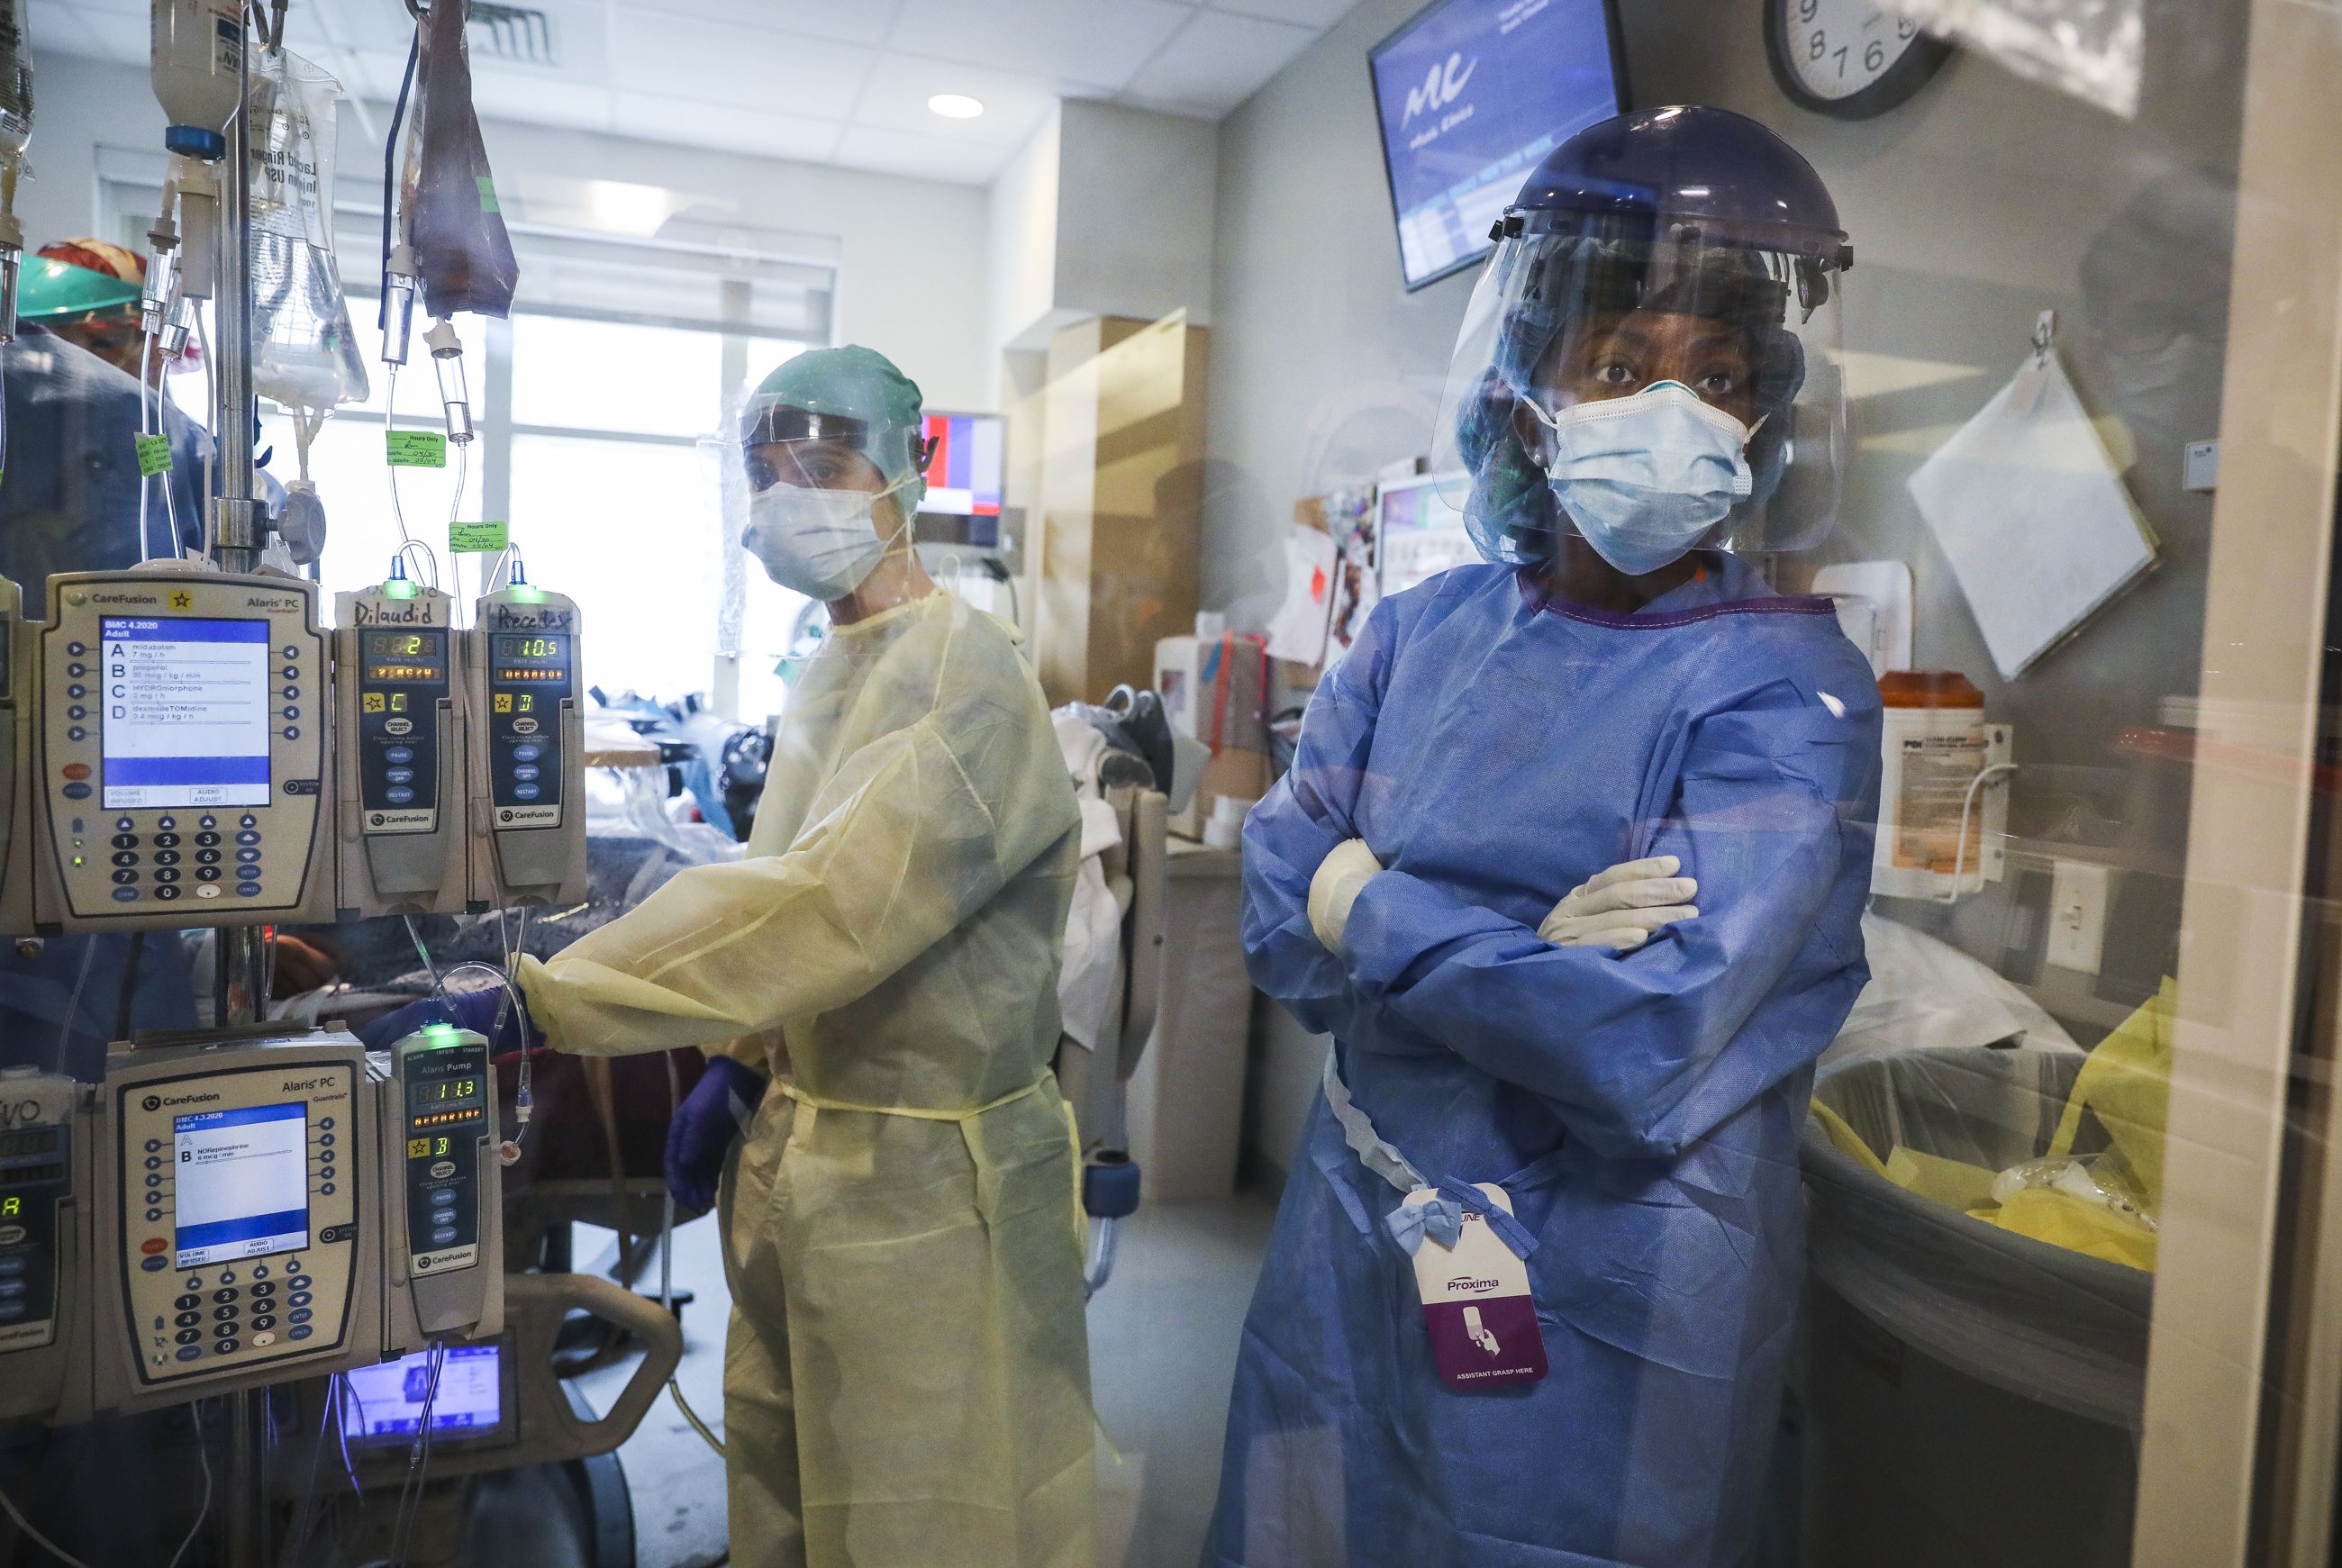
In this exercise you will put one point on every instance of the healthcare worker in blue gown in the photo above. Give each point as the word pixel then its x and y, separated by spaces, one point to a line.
pixel 1466 880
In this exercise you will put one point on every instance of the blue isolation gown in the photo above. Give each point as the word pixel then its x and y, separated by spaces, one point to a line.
pixel 1641 1109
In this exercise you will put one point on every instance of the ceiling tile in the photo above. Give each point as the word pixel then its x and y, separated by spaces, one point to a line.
pixel 922 157
pixel 1218 61
pixel 1097 43
pixel 896 99
pixel 538 100
pixel 866 22
pixel 756 131
pixel 749 67
pixel 94 28
pixel 361 24
pixel 1318 13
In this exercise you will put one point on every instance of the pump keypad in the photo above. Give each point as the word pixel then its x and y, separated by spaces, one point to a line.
pixel 404 675
pixel 195 1305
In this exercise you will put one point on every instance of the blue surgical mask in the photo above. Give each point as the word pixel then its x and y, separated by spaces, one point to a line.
pixel 1644 477
pixel 821 543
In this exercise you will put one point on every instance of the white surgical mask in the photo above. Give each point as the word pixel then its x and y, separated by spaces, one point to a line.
pixel 1644 477
pixel 821 543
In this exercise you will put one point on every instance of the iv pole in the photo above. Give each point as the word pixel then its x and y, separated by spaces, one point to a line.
pixel 239 531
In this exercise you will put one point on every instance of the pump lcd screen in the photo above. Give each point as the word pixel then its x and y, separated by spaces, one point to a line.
pixel 385 1402
pixel 406 658
pixel 243 1187
pixel 1472 95
pixel 186 712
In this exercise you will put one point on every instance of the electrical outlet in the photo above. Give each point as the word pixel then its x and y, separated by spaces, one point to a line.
pixel 2078 916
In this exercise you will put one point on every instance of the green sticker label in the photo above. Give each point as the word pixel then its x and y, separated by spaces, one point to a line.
pixel 487 195
pixel 418 448
pixel 154 454
pixel 478 538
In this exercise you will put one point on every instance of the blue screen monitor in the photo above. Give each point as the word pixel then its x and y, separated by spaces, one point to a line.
pixel 1472 95
pixel 385 1403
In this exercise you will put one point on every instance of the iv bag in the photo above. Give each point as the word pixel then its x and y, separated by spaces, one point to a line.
pixel 16 83
pixel 463 255
pixel 305 357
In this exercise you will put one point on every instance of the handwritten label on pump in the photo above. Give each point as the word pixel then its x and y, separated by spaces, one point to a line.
pixel 478 538
pixel 417 448
pixel 154 454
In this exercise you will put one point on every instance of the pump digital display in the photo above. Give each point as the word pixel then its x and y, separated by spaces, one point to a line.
pixel 508 648
pixel 446 1095
pixel 186 712
pixel 531 659
pixel 242 1183
pixel 399 658
pixel 39 1141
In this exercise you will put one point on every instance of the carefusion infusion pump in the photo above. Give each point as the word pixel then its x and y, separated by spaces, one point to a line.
pixel 401 785
pixel 287 1206
pixel 20 663
pixel 444 1231
pixel 181 773
pixel 528 765
pixel 43 1180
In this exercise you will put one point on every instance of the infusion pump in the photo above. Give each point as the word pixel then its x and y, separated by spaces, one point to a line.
pixel 180 776
pixel 527 763
pixel 177 749
pixel 240 1209
pixel 400 781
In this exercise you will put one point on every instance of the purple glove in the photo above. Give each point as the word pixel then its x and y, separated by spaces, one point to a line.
pixel 472 1010
pixel 705 1124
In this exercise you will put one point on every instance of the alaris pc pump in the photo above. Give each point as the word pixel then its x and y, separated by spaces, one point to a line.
pixel 180 778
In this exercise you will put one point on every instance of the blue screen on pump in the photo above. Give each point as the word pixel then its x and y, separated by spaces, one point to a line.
pixel 1472 94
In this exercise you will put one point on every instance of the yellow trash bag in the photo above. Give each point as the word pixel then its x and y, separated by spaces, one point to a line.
pixel 2126 1084
pixel 1845 1139
pixel 1954 1184
pixel 2077 1225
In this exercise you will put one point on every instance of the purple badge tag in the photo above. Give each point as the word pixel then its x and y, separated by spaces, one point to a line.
pixel 1477 1303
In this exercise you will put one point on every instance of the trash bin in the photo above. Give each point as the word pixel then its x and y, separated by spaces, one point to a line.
pixel 1970 1397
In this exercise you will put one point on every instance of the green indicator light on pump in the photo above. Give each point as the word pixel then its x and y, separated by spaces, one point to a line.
pixel 520 588
pixel 397 585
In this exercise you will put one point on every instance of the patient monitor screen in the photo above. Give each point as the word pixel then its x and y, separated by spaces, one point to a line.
pixel 244 1184
pixel 186 712
pixel 385 1402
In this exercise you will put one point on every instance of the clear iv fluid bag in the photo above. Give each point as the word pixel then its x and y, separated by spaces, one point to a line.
pixel 305 354
pixel 16 82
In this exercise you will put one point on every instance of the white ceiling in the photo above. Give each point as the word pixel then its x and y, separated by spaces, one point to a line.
pixel 843 82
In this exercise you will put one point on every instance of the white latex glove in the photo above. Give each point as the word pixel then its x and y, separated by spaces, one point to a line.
pixel 1341 876
pixel 1618 908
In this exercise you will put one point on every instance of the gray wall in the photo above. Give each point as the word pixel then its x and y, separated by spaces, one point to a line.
pixel 1971 208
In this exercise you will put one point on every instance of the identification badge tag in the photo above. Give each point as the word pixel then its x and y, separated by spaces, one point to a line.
pixel 1477 1303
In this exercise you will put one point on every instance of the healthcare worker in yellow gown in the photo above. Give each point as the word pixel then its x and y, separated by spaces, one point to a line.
pixel 906 1376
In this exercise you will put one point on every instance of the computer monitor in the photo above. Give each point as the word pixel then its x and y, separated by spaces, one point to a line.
pixel 1472 95
pixel 1419 534
pixel 385 1403
pixel 965 473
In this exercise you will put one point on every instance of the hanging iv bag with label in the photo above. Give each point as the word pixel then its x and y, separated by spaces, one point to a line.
pixel 305 357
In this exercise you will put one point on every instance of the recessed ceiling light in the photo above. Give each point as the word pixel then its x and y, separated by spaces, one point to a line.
pixel 955 106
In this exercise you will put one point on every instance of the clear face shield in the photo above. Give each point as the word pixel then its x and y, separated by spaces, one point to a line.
pixel 1682 387
pixel 817 498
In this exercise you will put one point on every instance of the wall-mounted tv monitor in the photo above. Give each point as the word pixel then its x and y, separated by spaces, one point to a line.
pixel 1472 95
